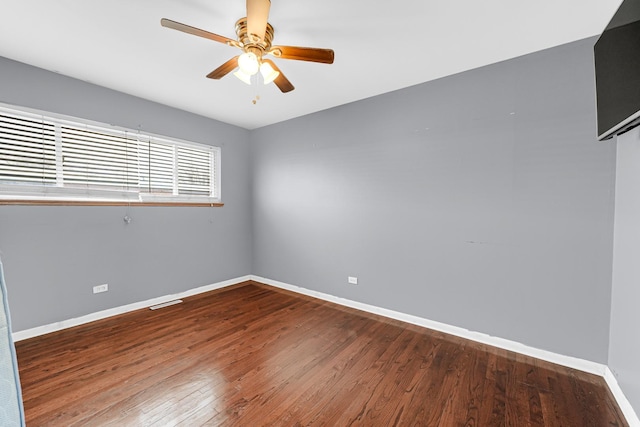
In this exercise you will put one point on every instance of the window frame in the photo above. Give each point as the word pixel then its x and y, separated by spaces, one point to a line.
pixel 58 194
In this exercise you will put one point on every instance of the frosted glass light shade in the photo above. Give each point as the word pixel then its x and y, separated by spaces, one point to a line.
pixel 268 73
pixel 243 76
pixel 248 63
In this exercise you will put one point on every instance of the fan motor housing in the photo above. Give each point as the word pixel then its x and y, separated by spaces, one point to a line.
pixel 251 42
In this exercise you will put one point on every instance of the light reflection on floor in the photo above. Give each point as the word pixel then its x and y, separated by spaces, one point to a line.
pixel 193 395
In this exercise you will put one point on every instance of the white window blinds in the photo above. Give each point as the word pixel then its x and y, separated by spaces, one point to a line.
pixel 39 151
pixel 157 167
pixel 194 171
pixel 27 150
pixel 95 158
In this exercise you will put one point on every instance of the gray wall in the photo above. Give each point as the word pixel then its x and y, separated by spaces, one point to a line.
pixel 53 256
pixel 624 349
pixel 481 200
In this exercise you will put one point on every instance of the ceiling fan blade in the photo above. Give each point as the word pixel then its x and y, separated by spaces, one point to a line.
pixel 224 69
pixel 281 81
pixel 196 31
pixel 312 54
pixel 257 16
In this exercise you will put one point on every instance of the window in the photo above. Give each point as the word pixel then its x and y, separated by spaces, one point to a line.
pixel 48 158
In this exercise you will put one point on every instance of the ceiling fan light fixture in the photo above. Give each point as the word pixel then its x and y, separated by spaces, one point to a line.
pixel 254 38
pixel 243 76
pixel 268 73
pixel 248 63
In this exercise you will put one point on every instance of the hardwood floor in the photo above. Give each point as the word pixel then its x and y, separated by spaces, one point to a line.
pixel 252 355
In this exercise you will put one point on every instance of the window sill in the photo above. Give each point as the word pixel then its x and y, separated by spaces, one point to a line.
pixel 25 202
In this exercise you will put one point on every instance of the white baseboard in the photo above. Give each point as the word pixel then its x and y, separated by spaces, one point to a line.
pixel 64 324
pixel 568 361
pixel 571 362
pixel 623 402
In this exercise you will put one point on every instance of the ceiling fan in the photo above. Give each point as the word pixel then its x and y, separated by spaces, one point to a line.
pixel 255 35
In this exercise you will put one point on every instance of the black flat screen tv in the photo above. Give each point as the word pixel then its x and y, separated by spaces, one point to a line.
pixel 617 67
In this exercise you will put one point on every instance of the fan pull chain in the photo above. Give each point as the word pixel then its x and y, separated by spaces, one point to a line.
pixel 255 100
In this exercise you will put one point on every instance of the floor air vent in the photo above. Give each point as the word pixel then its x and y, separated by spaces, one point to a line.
pixel 165 304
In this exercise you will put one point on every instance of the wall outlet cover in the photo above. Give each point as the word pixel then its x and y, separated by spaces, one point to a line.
pixel 101 288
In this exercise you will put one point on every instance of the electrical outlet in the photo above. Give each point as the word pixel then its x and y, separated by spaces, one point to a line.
pixel 352 280
pixel 101 288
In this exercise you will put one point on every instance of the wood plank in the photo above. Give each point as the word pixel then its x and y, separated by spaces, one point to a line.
pixel 255 355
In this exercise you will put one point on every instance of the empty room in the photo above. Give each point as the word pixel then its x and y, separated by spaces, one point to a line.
pixel 254 212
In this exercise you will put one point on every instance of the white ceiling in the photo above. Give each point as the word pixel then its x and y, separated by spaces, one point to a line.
pixel 379 46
